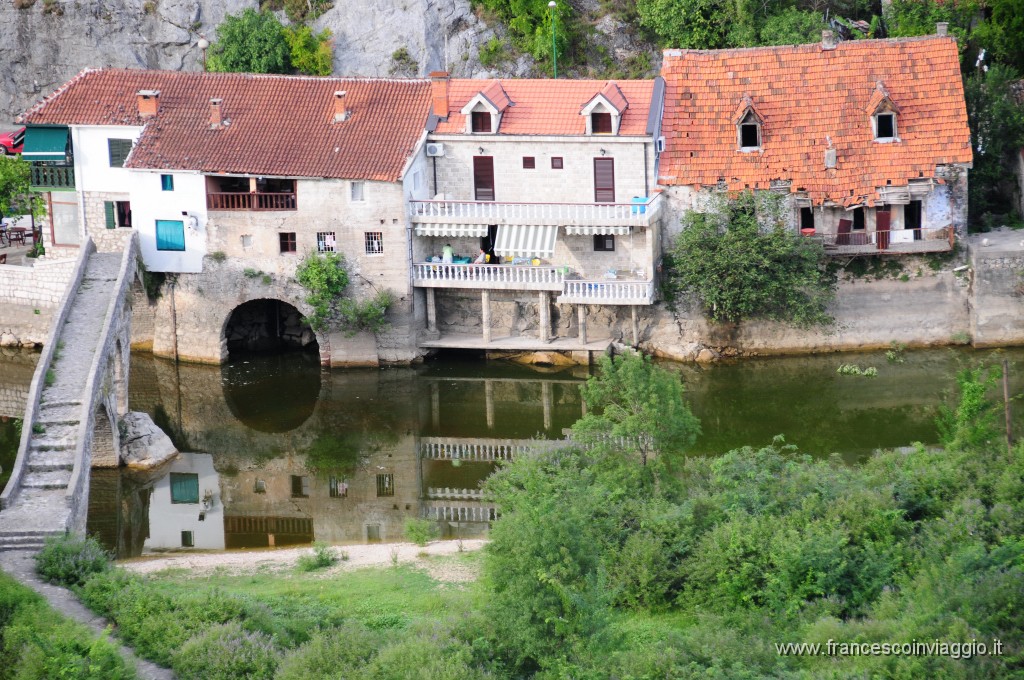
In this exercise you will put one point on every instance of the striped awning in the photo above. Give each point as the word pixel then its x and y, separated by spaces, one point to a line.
pixel 46 144
pixel 451 230
pixel 521 240
pixel 593 231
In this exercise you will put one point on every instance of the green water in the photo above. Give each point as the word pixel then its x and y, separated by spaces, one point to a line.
pixel 337 454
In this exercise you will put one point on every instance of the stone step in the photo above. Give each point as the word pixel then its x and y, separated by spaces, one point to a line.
pixel 43 443
pixel 33 543
pixel 64 414
pixel 57 431
pixel 41 462
pixel 53 479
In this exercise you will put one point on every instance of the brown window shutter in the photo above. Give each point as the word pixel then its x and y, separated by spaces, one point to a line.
pixel 604 180
pixel 481 121
pixel 483 177
pixel 601 123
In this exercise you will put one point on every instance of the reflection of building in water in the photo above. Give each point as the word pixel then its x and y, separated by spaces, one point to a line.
pixel 185 508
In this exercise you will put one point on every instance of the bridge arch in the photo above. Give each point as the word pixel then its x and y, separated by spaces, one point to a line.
pixel 105 445
pixel 268 324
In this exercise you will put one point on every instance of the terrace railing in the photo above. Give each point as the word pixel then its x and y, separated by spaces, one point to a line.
pixel 636 214
pixel 503 276
pixel 52 177
pixel 244 200
pixel 895 241
pixel 607 292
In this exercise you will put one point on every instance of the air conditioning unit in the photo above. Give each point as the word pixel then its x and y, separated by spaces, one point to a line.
pixel 659 145
pixel 435 149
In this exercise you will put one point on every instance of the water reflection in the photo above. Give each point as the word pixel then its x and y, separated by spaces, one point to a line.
pixel 375 447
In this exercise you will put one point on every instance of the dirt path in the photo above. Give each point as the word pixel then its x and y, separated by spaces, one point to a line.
pixel 20 565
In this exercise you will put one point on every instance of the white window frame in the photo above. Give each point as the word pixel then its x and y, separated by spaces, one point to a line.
pixel 373 242
pixel 895 129
pixel 357 191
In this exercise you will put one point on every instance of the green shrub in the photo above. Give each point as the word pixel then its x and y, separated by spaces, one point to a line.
pixel 251 42
pixel 226 652
pixel 310 54
pixel 71 560
pixel 420 531
pixel 349 647
pixel 322 557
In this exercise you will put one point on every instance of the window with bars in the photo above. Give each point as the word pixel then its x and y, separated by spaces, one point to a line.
pixel 325 242
pixel 385 485
pixel 287 240
pixel 374 241
pixel 300 486
pixel 338 487
pixel 118 150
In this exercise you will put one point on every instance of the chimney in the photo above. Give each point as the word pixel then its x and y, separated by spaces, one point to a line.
pixel 149 102
pixel 828 40
pixel 216 114
pixel 439 93
pixel 942 28
pixel 341 112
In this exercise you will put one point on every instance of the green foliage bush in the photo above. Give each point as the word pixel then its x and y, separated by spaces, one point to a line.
pixel 70 560
pixel 741 262
pixel 325 276
pixel 309 53
pixel 349 646
pixel 323 556
pixel 39 644
pixel 420 531
pixel 226 652
pixel 529 23
pixel 251 42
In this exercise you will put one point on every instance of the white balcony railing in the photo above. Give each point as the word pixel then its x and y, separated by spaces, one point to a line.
pixel 496 276
pixel 606 292
pixel 447 494
pixel 477 449
pixel 562 214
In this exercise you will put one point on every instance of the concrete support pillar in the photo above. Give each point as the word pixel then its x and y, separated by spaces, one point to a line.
pixel 636 326
pixel 545 398
pixel 489 402
pixel 435 405
pixel 544 326
pixel 431 312
pixel 485 317
pixel 581 314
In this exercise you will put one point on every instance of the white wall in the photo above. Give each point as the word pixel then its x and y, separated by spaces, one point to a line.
pixel 92 157
pixel 167 520
pixel 151 203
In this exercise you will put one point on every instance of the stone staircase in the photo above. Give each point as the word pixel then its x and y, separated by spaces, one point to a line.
pixel 39 508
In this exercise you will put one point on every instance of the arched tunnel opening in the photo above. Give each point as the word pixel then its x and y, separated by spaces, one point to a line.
pixel 268 326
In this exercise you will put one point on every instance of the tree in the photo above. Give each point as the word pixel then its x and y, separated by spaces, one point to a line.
pixel 252 42
pixel 640 405
pixel 310 54
pixel 741 262
pixel 16 196
pixel 792 27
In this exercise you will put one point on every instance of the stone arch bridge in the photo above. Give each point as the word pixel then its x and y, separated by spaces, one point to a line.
pixel 76 399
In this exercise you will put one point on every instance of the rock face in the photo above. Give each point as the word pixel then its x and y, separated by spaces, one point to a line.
pixel 48 41
pixel 143 444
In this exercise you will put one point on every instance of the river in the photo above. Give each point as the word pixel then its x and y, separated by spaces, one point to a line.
pixel 281 452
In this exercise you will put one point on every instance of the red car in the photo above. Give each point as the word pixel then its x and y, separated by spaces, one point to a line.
pixel 11 142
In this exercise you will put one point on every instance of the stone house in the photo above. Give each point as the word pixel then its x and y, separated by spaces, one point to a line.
pixel 256 170
pixel 867 138
pixel 556 178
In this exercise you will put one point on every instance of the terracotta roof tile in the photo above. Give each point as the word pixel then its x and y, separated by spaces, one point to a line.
pixel 550 107
pixel 279 125
pixel 806 96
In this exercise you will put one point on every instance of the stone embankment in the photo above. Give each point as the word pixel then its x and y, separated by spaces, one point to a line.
pixel 29 294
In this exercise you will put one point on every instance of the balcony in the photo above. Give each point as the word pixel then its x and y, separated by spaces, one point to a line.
pixel 607 292
pixel 488 276
pixel 52 177
pixel 894 242
pixel 561 214
pixel 245 200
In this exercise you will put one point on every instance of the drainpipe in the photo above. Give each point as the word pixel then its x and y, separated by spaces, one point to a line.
pixel 647 188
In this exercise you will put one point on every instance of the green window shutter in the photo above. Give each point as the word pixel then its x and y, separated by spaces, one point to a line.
pixel 184 487
pixel 118 149
pixel 108 207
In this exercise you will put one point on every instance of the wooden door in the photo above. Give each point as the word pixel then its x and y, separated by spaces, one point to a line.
pixel 843 235
pixel 882 222
pixel 604 180
pixel 483 177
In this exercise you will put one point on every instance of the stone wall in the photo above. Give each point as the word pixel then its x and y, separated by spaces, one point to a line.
pixel 29 295
pixel 997 293
pixel 106 240
pixel 19 365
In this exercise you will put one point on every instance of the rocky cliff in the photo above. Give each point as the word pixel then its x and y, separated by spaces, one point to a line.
pixel 46 42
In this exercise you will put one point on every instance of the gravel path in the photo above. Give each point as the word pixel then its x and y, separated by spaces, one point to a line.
pixel 283 559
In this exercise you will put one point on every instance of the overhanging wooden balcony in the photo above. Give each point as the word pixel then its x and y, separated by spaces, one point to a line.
pixel 639 214
pixel 52 177
pixel 488 276
pixel 893 242
pixel 245 200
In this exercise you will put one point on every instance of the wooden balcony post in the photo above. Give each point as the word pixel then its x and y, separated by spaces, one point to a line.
pixel 544 303
pixel 485 316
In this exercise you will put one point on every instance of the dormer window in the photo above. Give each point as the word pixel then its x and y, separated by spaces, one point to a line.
pixel 749 132
pixel 601 123
pixel 885 126
pixel 481 121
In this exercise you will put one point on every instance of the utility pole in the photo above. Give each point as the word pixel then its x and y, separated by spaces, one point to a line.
pixel 554 48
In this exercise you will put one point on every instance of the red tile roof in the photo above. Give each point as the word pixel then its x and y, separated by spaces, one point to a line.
pixel 549 107
pixel 279 125
pixel 805 96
